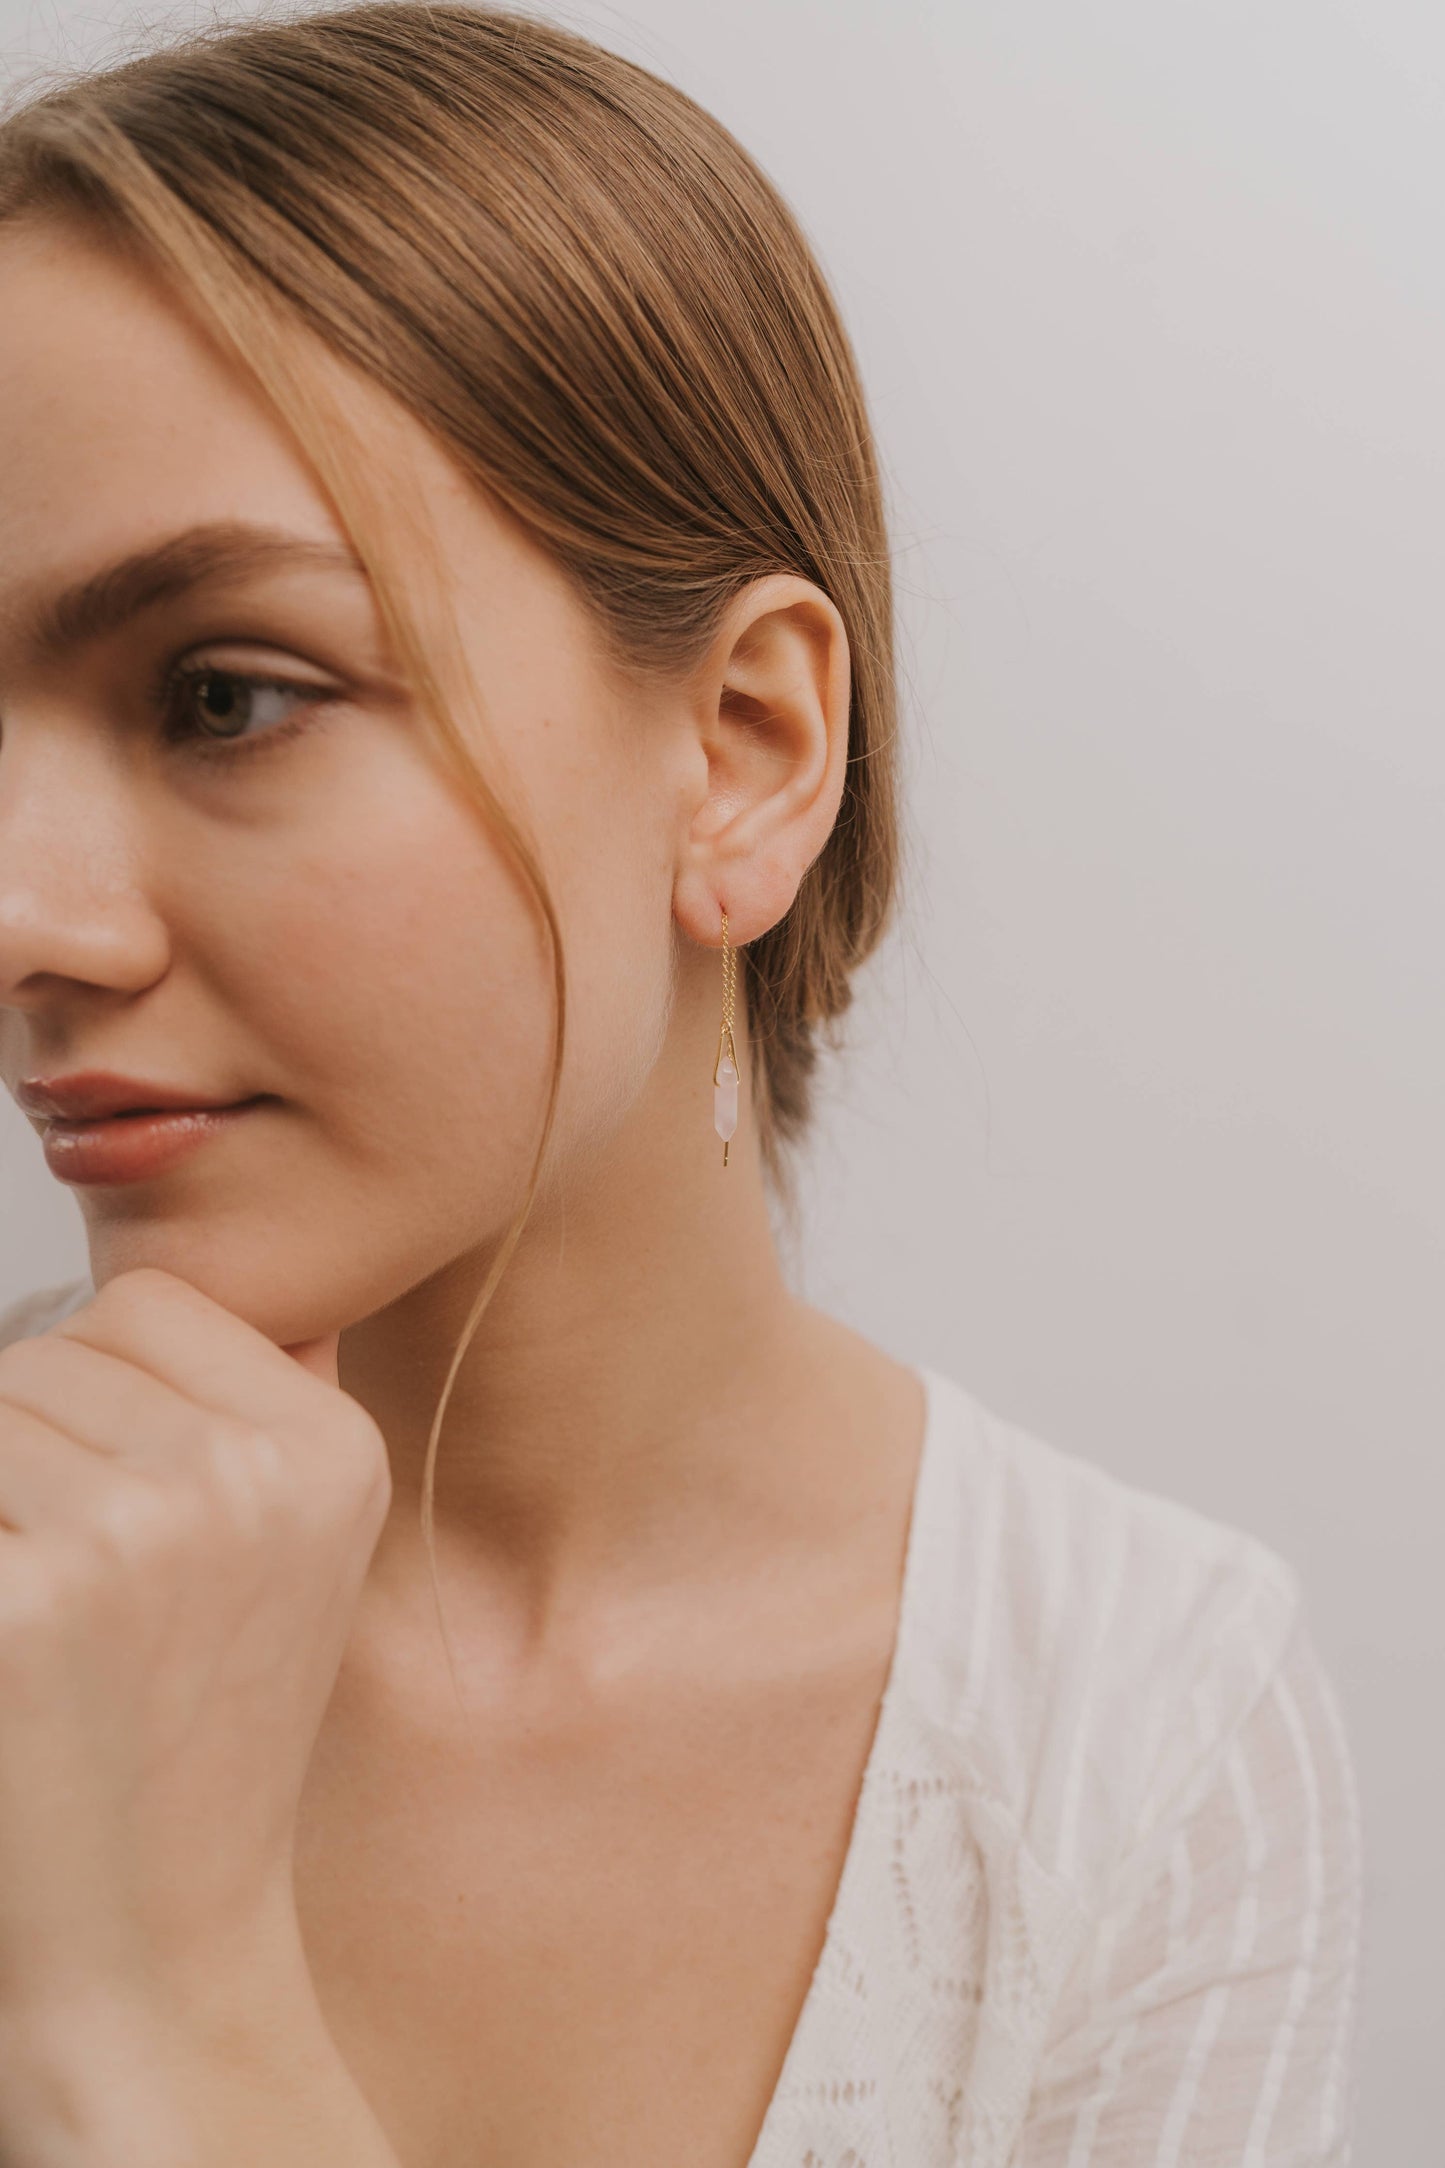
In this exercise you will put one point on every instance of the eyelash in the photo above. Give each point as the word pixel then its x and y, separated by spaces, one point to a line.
pixel 175 683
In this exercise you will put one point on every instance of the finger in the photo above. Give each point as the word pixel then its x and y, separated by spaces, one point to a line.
pixel 49 1479
pixel 177 1333
pixel 103 1402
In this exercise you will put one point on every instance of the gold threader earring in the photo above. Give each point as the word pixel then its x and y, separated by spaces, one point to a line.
pixel 725 1068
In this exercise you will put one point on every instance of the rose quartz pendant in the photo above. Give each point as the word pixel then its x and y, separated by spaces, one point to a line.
pixel 725 1100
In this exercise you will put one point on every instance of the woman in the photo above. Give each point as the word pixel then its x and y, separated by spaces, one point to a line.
pixel 445 665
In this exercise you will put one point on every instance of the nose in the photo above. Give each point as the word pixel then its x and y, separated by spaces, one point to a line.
pixel 73 910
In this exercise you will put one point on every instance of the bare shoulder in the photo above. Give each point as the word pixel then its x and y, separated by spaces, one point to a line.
pixel 41 1308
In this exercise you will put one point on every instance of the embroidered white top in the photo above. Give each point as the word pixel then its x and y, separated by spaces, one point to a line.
pixel 1101 1901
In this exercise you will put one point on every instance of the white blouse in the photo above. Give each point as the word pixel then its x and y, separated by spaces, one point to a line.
pixel 1100 1906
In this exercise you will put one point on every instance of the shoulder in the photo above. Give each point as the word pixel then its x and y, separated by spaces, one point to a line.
pixel 42 1308
pixel 1089 1647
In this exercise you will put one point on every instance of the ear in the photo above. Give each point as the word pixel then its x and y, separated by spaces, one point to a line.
pixel 769 705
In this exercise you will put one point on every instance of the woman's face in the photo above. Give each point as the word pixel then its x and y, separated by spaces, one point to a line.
pixel 304 908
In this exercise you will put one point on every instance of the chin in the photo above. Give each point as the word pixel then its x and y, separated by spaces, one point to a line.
pixel 250 1289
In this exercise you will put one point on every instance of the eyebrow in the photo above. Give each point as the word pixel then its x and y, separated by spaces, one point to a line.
pixel 105 601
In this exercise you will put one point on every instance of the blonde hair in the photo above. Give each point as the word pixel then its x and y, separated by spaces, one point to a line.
pixel 589 293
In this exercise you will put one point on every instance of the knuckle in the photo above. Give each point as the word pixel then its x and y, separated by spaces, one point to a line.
pixel 137 1520
pixel 51 1592
pixel 248 1467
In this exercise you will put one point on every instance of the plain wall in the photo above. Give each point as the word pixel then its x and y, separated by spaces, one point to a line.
pixel 1140 1136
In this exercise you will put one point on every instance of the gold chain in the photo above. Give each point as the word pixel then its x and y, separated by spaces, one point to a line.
pixel 725 1033
pixel 729 977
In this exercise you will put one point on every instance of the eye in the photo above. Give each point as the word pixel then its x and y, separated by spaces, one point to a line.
pixel 225 713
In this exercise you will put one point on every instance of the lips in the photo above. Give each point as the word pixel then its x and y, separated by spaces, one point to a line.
pixel 93 1095
pixel 97 1126
pixel 137 1146
pixel 133 1114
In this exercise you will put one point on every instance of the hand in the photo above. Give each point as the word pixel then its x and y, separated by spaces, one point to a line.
pixel 187 1512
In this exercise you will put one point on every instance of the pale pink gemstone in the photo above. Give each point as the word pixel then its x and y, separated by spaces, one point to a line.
pixel 725 1098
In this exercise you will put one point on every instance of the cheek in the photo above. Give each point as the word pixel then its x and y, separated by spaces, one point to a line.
pixel 399 986
pixel 397 982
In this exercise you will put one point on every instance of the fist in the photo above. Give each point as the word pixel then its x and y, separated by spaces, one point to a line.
pixel 187 1513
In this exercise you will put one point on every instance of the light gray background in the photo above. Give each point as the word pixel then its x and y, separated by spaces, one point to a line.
pixel 1141 1136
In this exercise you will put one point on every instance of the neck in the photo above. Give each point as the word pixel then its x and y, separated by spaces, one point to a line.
pixel 631 1398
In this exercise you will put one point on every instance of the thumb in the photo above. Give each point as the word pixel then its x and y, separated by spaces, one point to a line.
pixel 319 1357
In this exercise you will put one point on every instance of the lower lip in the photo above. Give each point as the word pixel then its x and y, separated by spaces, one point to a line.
pixel 134 1147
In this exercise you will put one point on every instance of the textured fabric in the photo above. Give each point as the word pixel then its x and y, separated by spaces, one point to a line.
pixel 1101 1900
pixel 1101 1906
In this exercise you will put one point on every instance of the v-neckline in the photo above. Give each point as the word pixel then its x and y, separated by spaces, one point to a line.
pixel 846 1894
